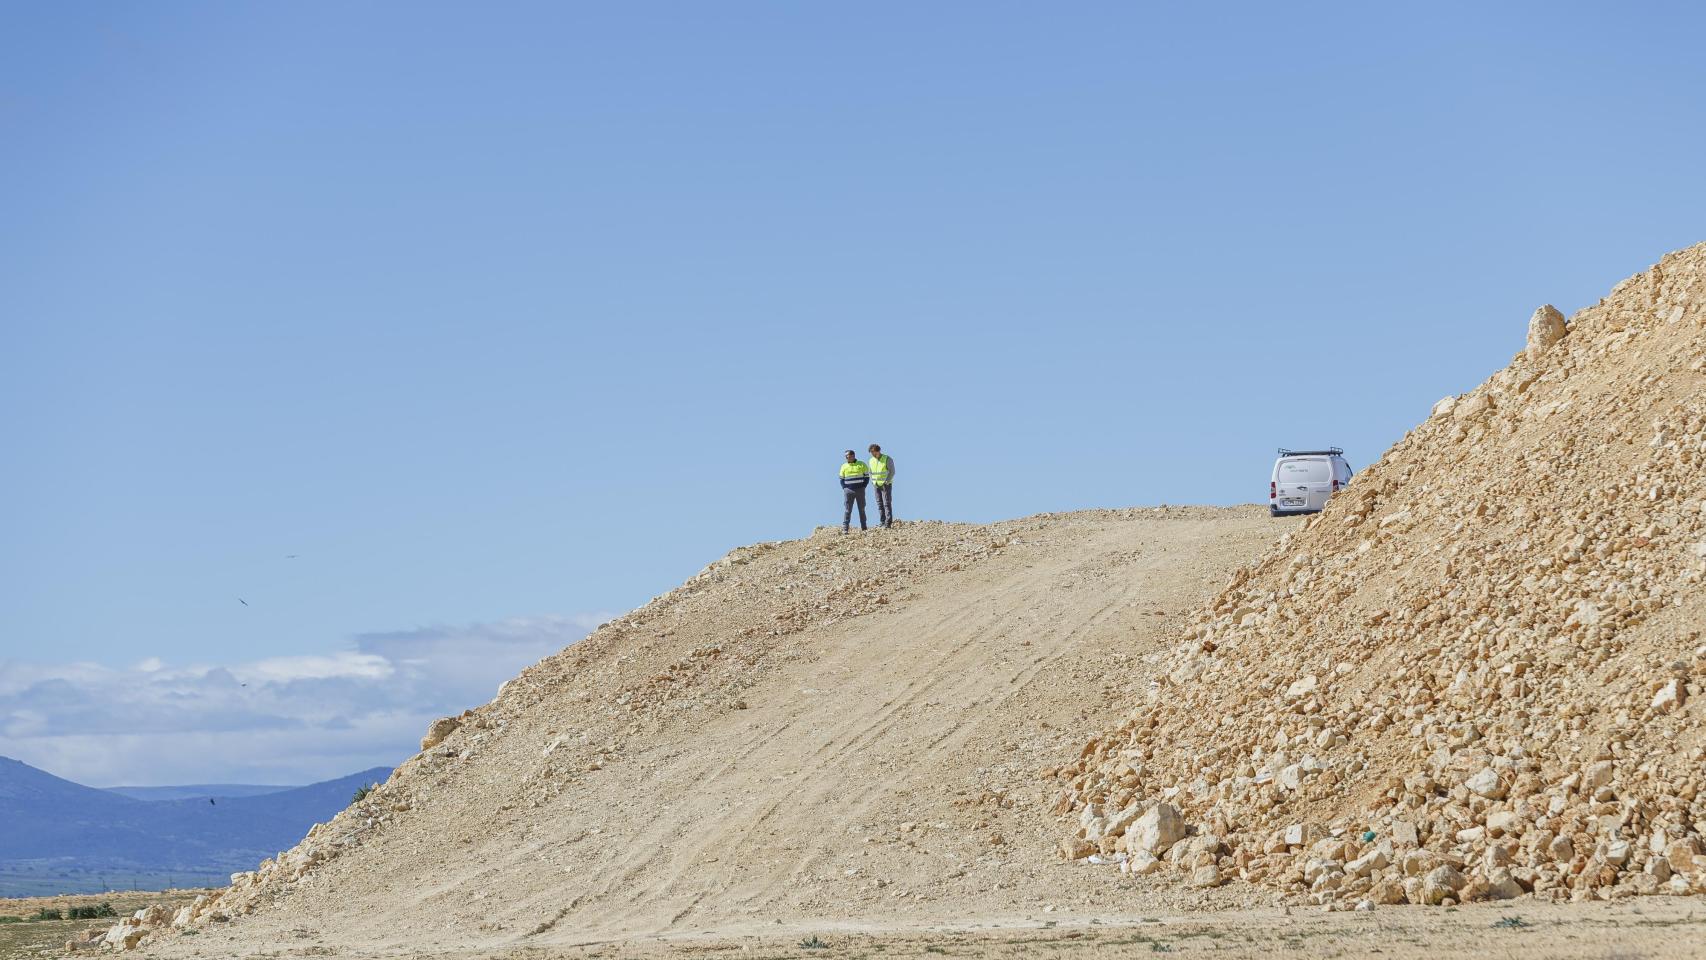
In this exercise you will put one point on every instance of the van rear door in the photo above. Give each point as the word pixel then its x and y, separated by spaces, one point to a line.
pixel 1304 483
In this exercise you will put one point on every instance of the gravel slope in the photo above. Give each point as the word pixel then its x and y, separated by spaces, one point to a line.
pixel 1478 673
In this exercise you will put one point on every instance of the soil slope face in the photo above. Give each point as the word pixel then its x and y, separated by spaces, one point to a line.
pixel 1478 673
pixel 834 728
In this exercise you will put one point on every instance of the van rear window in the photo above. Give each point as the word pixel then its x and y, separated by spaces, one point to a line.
pixel 1305 471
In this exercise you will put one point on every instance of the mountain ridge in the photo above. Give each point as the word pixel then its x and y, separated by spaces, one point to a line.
pixel 60 829
pixel 190 791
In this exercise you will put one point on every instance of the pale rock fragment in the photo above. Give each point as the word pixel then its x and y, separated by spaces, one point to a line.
pixel 441 728
pixel 1378 857
pixel 1441 882
pixel 1617 852
pixel 1501 885
pixel 1486 783
pixel 1302 687
pixel 1303 834
pixel 1473 407
pixel 1142 864
pixel 1545 328
pixel 1159 828
pixel 1074 848
pixel 1670 696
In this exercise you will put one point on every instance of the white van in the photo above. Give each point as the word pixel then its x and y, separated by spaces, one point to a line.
pixel 1304 479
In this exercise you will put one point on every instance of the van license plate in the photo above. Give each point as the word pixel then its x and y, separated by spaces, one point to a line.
pixel 1290 502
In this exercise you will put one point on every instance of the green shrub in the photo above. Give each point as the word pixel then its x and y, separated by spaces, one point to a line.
pixel 361 794
pixel 49 913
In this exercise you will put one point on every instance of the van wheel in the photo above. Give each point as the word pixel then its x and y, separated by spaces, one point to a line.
pixel 1273 511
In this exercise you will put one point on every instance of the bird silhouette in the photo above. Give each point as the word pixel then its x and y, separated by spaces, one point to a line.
pixel 211 803
pixel 242 601
pixel 291 556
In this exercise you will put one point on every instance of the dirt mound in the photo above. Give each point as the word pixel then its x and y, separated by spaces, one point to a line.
pixel 830 728
pixel 1476 674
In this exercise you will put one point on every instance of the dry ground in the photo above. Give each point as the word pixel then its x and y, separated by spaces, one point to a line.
pixel 876 786
pixel 883 769
pixel 1646 930
pixel 46 938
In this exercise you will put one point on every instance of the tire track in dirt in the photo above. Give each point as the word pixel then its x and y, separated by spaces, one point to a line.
pixel 897 695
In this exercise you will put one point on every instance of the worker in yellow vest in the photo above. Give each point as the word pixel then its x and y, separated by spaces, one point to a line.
pixel 882 476
pixel 854 477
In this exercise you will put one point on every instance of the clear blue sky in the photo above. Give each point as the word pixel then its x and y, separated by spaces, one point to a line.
pixel 517 313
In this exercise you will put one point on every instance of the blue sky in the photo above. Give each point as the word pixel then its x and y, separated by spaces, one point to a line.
pixel 502 317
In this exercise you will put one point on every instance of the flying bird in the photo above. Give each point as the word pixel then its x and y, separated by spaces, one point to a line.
pixel 291 556
pixel 211 803
pixel 242 601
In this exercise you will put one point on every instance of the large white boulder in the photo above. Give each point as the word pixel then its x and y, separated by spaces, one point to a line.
pixel 1159 828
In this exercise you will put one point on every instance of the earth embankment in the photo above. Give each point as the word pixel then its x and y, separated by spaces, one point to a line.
pixel 836 729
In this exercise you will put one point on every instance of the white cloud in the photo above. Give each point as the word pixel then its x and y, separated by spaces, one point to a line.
pixel 277 720
pixel 286 669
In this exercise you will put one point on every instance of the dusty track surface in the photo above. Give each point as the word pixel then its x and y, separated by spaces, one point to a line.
pixel 1524 931
pixel 871 760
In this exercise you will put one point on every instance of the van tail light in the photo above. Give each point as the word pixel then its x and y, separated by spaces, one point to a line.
pixel 1335 484
pixel 1273 489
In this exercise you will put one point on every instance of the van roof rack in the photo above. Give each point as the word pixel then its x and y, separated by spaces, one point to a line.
pixel 1329 452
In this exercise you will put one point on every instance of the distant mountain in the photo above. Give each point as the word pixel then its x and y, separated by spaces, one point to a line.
pixel 84 839
pixel 195 791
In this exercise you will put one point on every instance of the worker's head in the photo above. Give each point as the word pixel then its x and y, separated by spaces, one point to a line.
pixel 851 456
pixel 876 448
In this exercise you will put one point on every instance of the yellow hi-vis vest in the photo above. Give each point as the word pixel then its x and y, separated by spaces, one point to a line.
pixel 854 471
pixel 880 469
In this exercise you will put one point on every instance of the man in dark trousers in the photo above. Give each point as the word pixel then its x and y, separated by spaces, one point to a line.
pixel 854 477
pixel 881 466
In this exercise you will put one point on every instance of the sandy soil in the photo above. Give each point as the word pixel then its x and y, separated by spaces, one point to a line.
pixel 1648 929
pixel 882 767
pixel 866 775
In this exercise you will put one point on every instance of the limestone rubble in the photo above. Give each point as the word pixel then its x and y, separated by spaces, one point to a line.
pixel 132 931
pixel 1475 675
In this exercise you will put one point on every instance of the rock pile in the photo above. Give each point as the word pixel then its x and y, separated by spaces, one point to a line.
pixel 129 933
pixel 1478 673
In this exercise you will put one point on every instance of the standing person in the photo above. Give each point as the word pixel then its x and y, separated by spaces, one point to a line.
pixel 882 474
pixel 854 476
